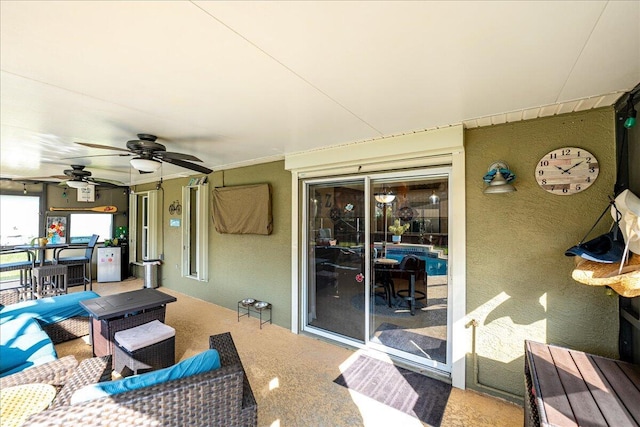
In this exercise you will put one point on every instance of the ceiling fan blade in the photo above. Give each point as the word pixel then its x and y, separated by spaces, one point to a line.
pixel 104 147
pixel 176 156
pixel 188 165
pixel 106 182
pixel 97 155
pixel 52 178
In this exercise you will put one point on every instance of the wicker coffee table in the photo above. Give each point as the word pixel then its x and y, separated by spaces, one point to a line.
pixel 117 312
pixel 19 402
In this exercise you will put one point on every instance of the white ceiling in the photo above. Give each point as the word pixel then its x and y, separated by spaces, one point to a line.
pixel 236 83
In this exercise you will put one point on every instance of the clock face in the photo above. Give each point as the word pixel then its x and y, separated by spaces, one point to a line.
pixel 567 170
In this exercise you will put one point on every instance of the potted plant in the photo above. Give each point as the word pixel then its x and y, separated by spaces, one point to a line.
pixel 398 230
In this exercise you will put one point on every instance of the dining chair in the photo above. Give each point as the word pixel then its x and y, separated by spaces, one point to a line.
pixel 84 261
pixel 412 264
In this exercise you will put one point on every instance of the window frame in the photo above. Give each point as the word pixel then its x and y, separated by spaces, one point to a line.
pixel 200 234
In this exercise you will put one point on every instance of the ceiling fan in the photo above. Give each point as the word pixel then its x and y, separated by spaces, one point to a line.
pixel 149 155
pixel 78 177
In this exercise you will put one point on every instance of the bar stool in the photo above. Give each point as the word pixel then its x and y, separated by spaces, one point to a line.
pixel 49 280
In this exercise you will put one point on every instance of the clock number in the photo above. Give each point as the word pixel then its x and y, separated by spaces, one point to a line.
pixel 565 189
pixel 553 155
pixel 592 169
pixel 540 172
pixel 566 152
pixel 588 179
pixel 544 182
pixel 588 160
pixel 578 187
pixel 544 163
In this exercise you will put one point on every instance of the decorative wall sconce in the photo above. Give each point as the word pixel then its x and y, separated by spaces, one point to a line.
pixel 499 178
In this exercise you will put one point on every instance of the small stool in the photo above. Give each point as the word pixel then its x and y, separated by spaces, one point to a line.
pixel 144 348
pixel 49 280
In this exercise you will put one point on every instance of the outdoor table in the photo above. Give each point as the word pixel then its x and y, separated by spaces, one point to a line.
pixel 113 313
pixel 569 388
pixel 41 249
pixel 20 402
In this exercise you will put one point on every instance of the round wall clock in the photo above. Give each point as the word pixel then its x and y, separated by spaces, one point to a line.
pixel 567 170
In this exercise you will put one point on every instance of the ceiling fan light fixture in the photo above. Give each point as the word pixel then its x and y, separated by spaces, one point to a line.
pixel 145 165
pixel 385 196
pixel 77 184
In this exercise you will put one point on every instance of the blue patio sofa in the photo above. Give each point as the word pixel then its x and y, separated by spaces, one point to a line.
pixel 29 329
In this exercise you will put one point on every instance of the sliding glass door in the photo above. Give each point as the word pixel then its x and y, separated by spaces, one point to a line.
pixel 376 263
pixel 335 257
pixel 409 280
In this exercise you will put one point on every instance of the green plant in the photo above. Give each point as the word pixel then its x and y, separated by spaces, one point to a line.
pixel 110 242
pixel 397 228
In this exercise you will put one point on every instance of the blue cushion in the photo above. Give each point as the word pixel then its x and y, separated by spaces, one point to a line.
pixel 206 361
pixel 23 344
pixel 49 310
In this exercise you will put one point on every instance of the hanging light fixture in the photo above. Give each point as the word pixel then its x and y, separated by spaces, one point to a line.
pixel 499 177
pixel 631 114
pixel 145 165
pixel 434 198
pixel 385 196
pixel 77 183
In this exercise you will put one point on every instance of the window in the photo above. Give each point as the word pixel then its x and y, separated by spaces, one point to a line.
pixel 19 219
pixel 82 226
pixel 195 232
pixel 144 224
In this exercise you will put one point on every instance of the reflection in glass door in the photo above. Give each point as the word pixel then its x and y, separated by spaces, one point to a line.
pixel 335 258
pixel 377 252
pixel 409 285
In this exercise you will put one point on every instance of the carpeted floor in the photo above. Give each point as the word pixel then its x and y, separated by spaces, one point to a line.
pixel 292 375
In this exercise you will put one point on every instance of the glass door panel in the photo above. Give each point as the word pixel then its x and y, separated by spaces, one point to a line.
pixel 409 282
pixel 335 230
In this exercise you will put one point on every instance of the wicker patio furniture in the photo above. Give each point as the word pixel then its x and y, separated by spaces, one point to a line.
pixel 23 289
pixel 221 397
pixel 144 348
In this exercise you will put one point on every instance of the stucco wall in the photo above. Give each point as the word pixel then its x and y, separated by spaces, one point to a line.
pixel 240 265
pixel 519 282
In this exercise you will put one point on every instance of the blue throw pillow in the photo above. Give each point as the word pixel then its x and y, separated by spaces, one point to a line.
pixel 200 363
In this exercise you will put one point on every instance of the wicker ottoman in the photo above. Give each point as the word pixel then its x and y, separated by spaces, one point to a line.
pixel 144 348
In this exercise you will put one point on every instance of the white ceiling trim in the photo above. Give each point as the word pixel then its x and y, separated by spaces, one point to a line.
pixel 545 111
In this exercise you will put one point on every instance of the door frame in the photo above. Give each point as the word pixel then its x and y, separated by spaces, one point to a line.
pixel 306 296
pixel 437 147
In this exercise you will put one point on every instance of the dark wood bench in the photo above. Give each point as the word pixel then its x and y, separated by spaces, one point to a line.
pixel 570 388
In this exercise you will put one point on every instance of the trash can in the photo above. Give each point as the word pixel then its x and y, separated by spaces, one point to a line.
pixel 151 272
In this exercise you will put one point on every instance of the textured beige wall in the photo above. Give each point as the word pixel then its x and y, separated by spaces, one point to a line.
pixel 240 265
pixel 518 279
pixel 519 282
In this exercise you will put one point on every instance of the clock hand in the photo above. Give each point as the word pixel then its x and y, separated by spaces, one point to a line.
pixel 567 170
